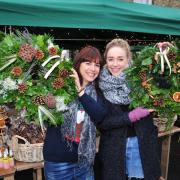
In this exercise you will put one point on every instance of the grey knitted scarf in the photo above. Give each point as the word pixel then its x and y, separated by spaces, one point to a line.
pixel 115 89
pixel 87 144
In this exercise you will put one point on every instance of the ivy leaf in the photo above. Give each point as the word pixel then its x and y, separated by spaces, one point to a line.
pixel 40 40
pixel 147 61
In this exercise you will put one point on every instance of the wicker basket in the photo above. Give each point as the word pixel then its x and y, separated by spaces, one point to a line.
pixel 161 123
pixel 26 152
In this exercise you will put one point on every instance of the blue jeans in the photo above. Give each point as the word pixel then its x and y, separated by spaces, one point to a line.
pixel 133 159
pixel 67 171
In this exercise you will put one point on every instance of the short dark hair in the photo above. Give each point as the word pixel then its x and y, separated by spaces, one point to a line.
pixel 86 54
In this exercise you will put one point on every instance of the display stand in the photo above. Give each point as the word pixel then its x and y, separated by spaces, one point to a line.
pixel 166 144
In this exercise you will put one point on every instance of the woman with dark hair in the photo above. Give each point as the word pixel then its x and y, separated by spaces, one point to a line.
pixel 69 149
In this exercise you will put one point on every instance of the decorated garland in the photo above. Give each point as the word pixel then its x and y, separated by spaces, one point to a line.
pixel 34 76
pixel 155 80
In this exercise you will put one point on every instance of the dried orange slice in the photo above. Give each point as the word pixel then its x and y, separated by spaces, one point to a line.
pixel 176 96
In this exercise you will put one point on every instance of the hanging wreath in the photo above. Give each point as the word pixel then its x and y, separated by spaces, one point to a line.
pixel 155 80
pixel 34 75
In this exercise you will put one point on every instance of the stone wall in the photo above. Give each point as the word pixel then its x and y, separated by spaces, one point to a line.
pixel 167 3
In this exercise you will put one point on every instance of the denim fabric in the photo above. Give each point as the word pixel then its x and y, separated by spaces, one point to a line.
pixel 67 171
pixel 133 160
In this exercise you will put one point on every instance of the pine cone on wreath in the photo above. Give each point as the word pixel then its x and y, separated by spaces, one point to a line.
pixel 52 51
pixel 39 100
pixel 22 87
pixel 26 52
pixel 16 71
pixel 172 56
pixel 64 73
pixel 58 83
pixel 50 101
pixel 39 54
pixel 142 75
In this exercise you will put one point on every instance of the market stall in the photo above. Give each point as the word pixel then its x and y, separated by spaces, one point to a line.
pixel 24 55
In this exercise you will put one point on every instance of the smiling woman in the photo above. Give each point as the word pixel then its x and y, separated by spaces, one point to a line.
pixel 69 149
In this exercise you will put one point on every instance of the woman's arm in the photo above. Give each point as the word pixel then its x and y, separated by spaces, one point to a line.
pixel 95 109
pixel 100 114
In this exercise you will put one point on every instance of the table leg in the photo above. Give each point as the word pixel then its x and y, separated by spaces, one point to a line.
pixel 166 143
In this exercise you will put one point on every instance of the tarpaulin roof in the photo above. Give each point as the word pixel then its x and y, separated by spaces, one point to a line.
pixel 92 14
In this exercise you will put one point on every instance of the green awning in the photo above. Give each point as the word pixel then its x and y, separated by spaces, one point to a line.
pixel 92 14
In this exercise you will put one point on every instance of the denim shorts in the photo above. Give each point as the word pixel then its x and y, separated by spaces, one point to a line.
pixel 133 159
pixel 67 171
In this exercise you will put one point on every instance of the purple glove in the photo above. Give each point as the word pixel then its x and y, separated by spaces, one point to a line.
pixel 138 113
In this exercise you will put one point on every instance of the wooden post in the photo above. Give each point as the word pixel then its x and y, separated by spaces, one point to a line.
pixel 166 144
pixel 165 156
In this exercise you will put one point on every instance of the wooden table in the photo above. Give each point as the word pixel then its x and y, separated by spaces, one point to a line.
pixel 7 174
pixel 166 145
pixel 20 166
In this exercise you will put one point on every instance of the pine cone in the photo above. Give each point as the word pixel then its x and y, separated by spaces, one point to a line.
pixel 172 55
pixel 39 54
pixel 16 71
pixel 52 51
pixel 58 83
pixel 26 52
pixel 142 75
pixel 39 100
pixel 22 87
pixel 159 102
pixel 64 73
pixel 50 101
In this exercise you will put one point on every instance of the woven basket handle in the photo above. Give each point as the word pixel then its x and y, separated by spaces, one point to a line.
pixel 15 141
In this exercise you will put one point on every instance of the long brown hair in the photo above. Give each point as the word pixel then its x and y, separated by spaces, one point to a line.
pixel 86 54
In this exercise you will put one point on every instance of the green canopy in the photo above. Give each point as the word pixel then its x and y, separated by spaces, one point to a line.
pixel 93 14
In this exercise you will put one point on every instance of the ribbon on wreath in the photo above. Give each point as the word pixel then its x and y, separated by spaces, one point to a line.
pixel 42 110
pixel 164 48
pixel 11 60
pixel 58 58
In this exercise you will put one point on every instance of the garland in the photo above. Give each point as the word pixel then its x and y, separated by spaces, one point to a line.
pixel 34 76
pixel 155 80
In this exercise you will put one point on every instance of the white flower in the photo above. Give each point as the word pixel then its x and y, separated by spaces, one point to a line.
pixel 60 105
pixel 65 55
pixel 9 84
pixel 50 44
pixel 20 81
pixel 2 92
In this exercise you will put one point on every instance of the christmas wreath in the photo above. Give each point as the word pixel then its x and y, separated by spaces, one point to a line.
pixel 34 74
pixel 155 80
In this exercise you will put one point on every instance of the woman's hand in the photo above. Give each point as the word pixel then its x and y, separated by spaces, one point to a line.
pixel 138 113
pixel 151 110
pixel 79 88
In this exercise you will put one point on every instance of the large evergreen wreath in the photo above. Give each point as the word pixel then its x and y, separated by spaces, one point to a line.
pixel 32 72
pixel 155 80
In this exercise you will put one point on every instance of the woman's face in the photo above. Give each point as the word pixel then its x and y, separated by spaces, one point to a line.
pixel 116 60
pixel 89 71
